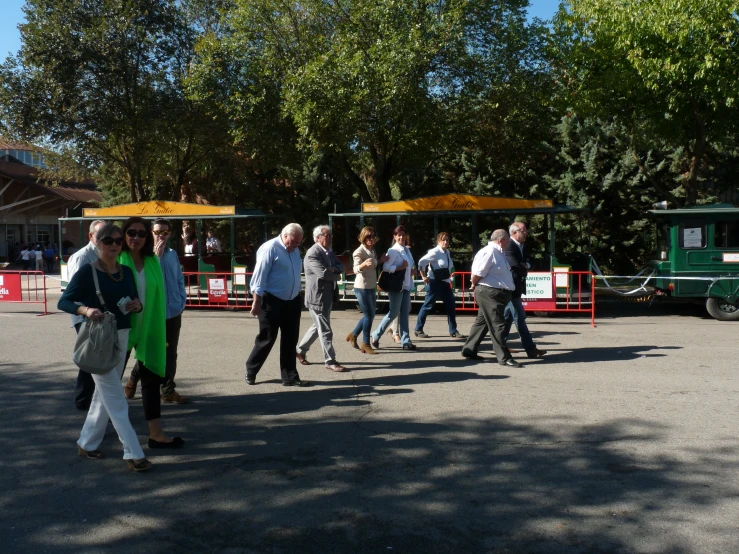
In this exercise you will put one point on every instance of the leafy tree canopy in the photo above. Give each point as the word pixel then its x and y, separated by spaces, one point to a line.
pixel 667 68
pixel 381 87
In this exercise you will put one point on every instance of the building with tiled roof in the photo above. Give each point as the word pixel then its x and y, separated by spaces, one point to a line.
pixel 29 209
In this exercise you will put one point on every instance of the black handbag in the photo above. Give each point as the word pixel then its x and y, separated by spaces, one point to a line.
pixel 391 282
pixel 442 273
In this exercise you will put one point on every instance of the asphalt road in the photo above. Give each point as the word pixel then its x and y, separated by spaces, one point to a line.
pixel 624 439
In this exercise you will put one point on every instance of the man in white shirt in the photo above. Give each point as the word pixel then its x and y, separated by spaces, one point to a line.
pixel 85 386
pixel 212 244
pixel 493 285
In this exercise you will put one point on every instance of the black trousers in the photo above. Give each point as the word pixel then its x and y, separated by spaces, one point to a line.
pixel 277 315
pixel 150 383
pixel 172 333
pixel 174 325
pixel 84 387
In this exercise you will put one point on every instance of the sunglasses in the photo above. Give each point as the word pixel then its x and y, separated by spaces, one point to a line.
pixel 107 241
pixel 160 233
pixel 133 232
pixel 373 237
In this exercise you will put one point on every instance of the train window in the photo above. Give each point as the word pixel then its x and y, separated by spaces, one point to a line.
pixel 692 234
pixel 727 234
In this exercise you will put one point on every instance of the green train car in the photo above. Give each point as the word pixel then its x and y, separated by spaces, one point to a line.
pixel 698 253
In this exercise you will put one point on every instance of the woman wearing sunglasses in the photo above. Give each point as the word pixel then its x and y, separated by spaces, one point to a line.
pixel 148 328
pixel 365 288
pixel 80 298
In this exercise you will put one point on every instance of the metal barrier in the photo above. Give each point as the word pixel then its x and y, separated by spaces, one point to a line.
pixel 24 287
pixel 217 290
pixel 560 291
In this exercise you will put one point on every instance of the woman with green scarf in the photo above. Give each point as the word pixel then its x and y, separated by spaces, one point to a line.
pixel 147 336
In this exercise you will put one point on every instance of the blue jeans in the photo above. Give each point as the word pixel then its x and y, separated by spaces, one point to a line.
pixel 514 312
pixel 367 299
pixel 400 307
pixel 435 290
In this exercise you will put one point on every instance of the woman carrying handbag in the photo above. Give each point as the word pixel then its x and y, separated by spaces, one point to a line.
pixel 399 268
pixel 117 287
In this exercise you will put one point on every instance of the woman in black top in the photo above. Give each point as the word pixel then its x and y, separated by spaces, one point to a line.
pixel 80 298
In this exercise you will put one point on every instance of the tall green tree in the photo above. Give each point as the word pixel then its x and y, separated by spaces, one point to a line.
pixel 102 79
pixel 384 89
pixel 667 69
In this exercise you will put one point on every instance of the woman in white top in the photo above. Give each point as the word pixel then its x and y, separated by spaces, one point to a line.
pixel 435 269
pixel 39 258
pixel 25 257
pixel 399 259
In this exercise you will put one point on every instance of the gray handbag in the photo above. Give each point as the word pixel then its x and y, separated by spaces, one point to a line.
pixel 96 349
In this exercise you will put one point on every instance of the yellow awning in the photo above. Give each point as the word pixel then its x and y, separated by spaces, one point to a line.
pixel 454 203
pixel 157 208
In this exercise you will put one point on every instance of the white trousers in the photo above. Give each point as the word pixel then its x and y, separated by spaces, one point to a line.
pixel 109 401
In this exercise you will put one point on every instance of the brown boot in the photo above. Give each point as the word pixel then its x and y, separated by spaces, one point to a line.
pixel 130 389
pixel 366 348
pixel 174 398
pixel 352 338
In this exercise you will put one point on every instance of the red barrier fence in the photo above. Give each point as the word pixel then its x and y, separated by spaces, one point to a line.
pixel 560 291
pixel 217 290
pixel 23 287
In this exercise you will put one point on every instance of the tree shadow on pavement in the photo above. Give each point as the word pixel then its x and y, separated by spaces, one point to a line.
pixel 256 478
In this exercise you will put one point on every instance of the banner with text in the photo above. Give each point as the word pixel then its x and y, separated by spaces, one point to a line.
pixel 539 292
pixel 217 291
pixel 10 287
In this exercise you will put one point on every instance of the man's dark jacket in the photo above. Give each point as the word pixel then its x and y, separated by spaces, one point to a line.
pixel 515 258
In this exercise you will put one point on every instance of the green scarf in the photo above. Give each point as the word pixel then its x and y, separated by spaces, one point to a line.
pixel 151 344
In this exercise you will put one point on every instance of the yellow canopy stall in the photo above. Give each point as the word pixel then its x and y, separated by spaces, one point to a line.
pixel 153 209
pixel 463 206
pixel 455 203
pixel 159 208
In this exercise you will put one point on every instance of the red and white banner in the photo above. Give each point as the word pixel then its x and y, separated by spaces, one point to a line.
pixel 217 291
pixel 10 287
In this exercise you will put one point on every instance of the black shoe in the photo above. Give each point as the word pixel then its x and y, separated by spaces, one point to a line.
pixel 375 343
pixel 457 335
pixel 410 346
pixel 471 355
pixel 251 379
pixel 536 353
pixel 297 383
pixel 176 442
pixel 420 334
pixel 510 362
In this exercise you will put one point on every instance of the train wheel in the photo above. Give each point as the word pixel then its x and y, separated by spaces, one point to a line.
pixel 720 309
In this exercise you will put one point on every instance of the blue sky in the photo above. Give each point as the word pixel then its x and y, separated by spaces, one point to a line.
pixel 13 15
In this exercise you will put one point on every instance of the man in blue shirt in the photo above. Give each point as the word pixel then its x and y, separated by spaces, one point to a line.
pixel 275 286
pixel 175 295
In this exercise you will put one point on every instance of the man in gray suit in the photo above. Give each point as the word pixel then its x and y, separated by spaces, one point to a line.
pixel 322 270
